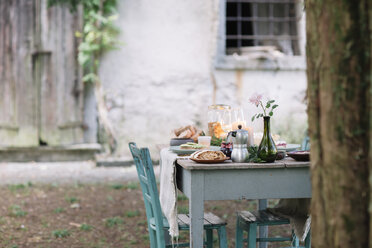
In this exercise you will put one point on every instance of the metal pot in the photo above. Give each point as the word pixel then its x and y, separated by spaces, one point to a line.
pixel 239 138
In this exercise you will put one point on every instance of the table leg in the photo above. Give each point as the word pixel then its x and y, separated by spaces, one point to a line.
pixel 196 210
pixel 262 205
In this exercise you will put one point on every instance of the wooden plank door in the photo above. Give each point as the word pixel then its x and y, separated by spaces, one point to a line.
pixel 18 94
pixel 58 74
pixel 40 80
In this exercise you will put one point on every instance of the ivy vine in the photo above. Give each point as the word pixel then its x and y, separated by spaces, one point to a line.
pixel 99 35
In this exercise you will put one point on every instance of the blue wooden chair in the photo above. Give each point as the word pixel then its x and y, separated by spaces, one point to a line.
pixel 249 221
pixel 156 222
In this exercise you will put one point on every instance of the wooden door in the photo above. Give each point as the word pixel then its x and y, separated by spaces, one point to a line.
pixel 41 92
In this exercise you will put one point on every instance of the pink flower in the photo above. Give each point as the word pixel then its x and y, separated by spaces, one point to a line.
pixel 255 99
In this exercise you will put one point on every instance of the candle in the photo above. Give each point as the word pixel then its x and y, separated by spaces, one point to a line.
pixel 250 136
pixel 237 123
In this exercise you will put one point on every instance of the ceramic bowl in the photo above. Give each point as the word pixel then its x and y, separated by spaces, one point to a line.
pixel 300 155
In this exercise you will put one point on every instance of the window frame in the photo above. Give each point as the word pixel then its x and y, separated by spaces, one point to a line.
pixel 236 62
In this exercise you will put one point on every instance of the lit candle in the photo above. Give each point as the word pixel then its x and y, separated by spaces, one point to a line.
pixel 237 123
pixel 250 136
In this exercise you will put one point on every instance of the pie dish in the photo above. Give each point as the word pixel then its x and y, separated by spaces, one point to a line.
pixel 179 151
pixel 208 157
pixel 203 161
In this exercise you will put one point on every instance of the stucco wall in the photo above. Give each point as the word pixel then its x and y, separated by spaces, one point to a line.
pixel 161 78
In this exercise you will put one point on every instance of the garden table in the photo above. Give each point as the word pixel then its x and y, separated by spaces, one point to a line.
pixel 233 181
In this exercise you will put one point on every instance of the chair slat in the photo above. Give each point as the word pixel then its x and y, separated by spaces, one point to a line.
pixel 209 219
pixel 181 219
pixel 213 219
pixel 144 179
pixel 148 197
pixel 261 216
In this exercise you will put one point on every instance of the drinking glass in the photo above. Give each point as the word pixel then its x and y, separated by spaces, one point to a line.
pixel 226 121
pixel 238 118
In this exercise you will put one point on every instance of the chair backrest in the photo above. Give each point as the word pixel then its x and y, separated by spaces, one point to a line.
pixel 306 143
pixel 146 176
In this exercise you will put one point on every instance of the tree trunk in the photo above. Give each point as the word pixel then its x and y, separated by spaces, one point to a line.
pixel 339 83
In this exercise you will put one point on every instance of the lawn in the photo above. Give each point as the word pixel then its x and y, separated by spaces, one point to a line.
pixel 94 216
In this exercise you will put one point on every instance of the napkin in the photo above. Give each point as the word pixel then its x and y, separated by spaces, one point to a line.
pixel 297 211
pixel 168 189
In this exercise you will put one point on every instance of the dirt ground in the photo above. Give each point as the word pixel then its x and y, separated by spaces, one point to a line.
pixel 94 216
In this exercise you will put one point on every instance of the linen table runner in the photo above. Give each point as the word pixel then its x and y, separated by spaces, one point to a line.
pixel 168 189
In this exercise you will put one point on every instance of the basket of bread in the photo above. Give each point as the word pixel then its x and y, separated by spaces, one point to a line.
pixel 208 157
pixel 185 134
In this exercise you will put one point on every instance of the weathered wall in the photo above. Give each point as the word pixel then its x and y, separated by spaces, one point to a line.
pixel 160 79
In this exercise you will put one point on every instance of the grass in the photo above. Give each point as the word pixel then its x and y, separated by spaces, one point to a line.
pixel 15 187
pixel 115 221
pixel 183 210
pixel 117 186
pixel 71 199
pixel 63 233
pixel 59 210
pixel 16 211
pixel 131 214
pixel 86 227
pixel 101 221
pixel 181 197
pixel 132 185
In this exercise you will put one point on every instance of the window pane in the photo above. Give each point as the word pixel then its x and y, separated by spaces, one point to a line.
pixel 279 9
pixel 231 43
pixel 247 28
pixel 263 28
pixel 231 10
pixel 279 28
pixel 263 10
pixel 247 43
pixel 292 10
pixel 246 10
pixel 231 28
pixel 293 28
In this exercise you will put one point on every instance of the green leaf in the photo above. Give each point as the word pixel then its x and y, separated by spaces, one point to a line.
pixel 268 105
pixel 271 101
pixel 83 58
pixel 253 117
pixel 275 106
pixel 90 77
pixel 271 113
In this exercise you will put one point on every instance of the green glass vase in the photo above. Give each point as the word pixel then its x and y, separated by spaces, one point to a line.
pixel 267 149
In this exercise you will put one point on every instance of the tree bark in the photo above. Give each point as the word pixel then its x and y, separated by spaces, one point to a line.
pixel 339 83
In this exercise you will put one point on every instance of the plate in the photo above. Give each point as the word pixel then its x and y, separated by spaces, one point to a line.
pixel 300 155
pixel 203 161
pixel 292 147
pixel 179 151
pixel 179 141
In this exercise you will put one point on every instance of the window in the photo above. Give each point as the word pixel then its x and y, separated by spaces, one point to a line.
pixel 261 26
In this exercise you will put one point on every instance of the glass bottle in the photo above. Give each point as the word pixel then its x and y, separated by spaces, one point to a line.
pixel 267 149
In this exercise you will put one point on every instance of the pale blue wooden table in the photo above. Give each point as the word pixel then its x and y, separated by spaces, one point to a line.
pixel 233 181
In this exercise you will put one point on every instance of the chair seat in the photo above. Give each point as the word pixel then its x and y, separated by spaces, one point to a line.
pixel 262 218
pixel 210 221
pixel 249 221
